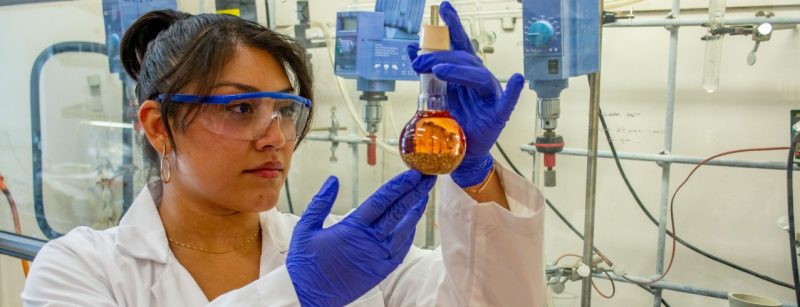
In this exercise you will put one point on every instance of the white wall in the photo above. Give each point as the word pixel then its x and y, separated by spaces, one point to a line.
pixel 729 212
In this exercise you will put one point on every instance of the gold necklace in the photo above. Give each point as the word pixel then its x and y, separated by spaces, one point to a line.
pixel 243 244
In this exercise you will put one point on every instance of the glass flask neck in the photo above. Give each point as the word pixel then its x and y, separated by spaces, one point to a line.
pixel 432 93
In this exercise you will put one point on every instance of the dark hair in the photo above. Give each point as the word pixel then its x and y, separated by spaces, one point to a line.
pixel 166 50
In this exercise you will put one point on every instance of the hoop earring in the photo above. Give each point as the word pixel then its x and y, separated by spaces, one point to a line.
pixel 166 171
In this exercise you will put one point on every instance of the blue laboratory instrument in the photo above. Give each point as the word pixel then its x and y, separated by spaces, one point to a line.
pixel 560 41
pixel 371 48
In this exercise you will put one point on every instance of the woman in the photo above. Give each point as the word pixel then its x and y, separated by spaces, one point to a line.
pixel 224 103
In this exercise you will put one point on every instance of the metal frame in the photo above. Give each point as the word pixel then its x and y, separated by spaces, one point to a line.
pixel 663 285
pixel 19 246
pixel 672 23
pixel 660 159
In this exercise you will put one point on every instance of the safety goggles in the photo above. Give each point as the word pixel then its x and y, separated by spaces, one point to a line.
pixel 249 116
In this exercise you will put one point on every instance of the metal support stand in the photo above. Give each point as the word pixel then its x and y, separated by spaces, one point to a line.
pixel 591 185
pixel 666 167
pixel 354 150
pixel 591 168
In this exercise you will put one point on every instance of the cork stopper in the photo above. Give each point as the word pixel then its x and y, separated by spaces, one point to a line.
pixel 434 37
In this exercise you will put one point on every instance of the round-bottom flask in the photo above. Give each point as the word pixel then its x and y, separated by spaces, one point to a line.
pixel 432 142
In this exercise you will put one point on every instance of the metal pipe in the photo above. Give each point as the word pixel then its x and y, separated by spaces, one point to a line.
pixel 649 22
pixel 683 22
pixel 354 149
pixel 642 22
pixel 344 139
pixel 367 5
pixel 749 9
pixel 591 186
pixel 19 246
pixel 667 158
pixel 662 285
pixel 666 167
pixel 591 167
pixel 340 139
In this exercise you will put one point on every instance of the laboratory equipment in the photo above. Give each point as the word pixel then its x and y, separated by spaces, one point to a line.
pixel 303 24
pixel 560 41
pixel 713 55
pixel 371 48
pixel 118 15
pixel 761 33
pixel 246 9
pixel 432 142
pixel 751 300
pixel 38 142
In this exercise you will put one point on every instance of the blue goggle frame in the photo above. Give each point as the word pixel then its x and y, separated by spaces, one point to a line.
pixel 226 99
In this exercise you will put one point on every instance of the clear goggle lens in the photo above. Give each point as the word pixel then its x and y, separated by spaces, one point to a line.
pixel 250 116
pixel 251 119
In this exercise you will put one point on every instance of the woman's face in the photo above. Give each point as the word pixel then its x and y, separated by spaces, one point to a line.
pixel 232 174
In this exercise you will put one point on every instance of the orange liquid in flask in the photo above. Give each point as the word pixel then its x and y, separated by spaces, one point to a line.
pixel 432 142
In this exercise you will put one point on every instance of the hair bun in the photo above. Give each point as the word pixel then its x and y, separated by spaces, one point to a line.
pixel 139 35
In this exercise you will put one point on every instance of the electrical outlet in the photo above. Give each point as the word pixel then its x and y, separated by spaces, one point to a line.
pixel 795 129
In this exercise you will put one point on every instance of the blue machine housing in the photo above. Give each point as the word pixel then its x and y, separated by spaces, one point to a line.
pixel 371 46
pixel 118 15
pixel 560 41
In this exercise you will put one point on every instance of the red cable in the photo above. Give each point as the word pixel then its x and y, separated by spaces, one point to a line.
pixel 565 256
pixel 15 217
pixel 672 201
pixel 613 287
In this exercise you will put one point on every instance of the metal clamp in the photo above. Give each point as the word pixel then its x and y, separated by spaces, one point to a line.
pixel 333 132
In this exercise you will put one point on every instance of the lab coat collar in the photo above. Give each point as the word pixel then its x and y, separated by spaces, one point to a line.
pixel 140 233
pixel 277 230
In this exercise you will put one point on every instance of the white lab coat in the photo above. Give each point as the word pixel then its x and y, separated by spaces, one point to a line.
pixel 489 256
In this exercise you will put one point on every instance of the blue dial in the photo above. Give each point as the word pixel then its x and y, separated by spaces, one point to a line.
pixel 540 33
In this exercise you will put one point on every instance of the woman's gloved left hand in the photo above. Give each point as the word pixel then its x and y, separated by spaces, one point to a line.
pixel 474 97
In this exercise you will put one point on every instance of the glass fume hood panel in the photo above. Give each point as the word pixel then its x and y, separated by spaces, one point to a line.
pixel 69 151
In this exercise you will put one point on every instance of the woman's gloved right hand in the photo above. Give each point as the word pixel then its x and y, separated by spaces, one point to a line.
pixel 337 265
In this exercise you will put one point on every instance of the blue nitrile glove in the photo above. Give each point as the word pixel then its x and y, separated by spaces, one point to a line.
pixel 474 97
pixel 337 265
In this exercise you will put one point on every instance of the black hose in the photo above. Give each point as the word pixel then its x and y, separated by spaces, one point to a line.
pixel 678 239
pixel 36 125
pixel 790 207
pixel 549 204
pixel 561 216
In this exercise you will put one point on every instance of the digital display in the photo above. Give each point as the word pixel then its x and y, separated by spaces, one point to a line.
pixel 349 24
